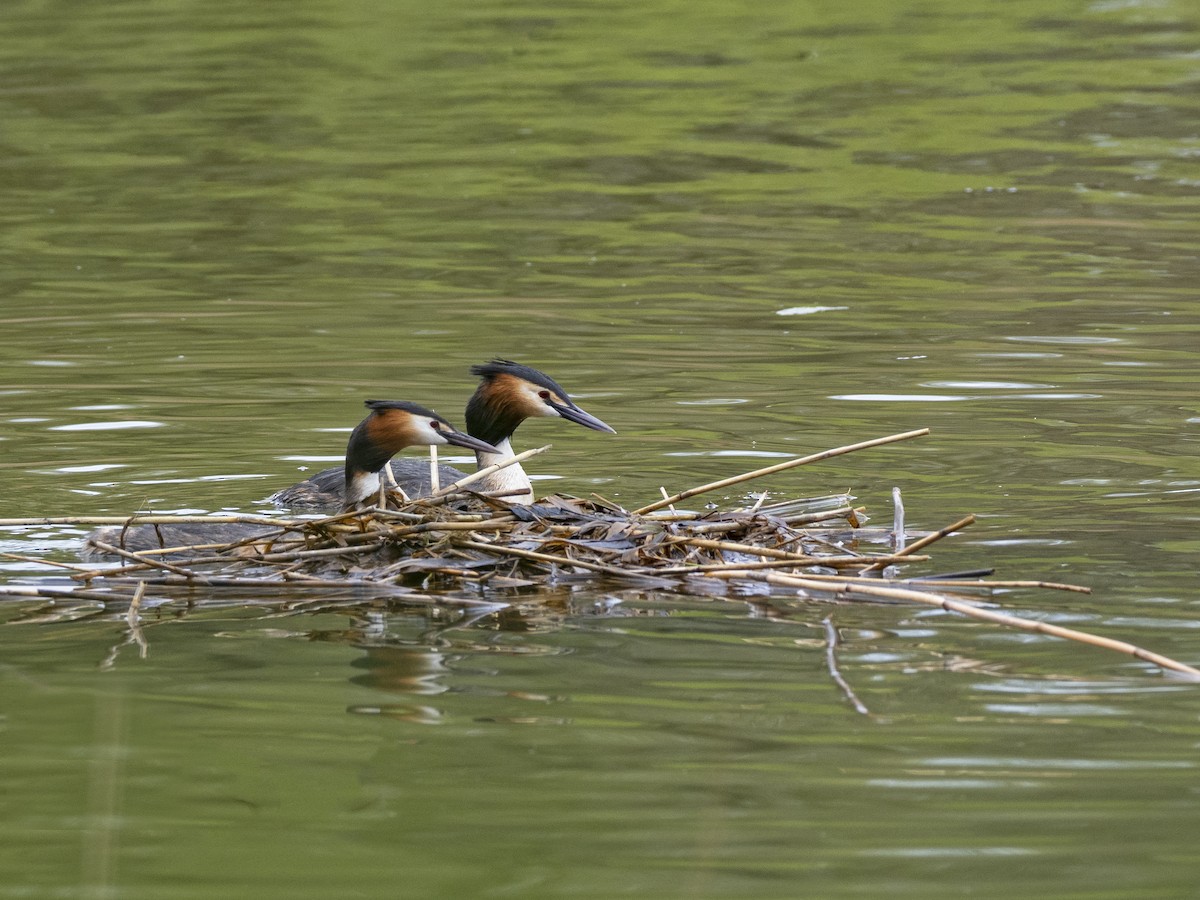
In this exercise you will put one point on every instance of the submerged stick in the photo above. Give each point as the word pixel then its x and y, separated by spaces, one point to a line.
pixel 831 645
pixel 779 467
pixel 976 612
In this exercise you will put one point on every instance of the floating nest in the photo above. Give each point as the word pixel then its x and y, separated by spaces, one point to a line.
pixel 459 541
pixel 469 539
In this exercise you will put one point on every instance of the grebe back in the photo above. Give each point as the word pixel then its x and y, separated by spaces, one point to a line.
pixel 391 426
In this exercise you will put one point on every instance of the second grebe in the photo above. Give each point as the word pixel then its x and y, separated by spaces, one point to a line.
pixel 508 394
pixel 391 426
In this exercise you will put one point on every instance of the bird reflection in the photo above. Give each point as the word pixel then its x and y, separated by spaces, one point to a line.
pixel 398 661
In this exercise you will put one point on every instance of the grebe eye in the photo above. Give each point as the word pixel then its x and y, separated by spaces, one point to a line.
pixel 545 395
pixel 435 425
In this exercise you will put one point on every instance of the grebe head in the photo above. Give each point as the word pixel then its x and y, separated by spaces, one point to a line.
pixel 510 393
pixel 391 426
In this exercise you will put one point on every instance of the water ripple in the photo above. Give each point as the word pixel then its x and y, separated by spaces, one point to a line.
pixel 900 398
pixel 807 310
pixel 106 426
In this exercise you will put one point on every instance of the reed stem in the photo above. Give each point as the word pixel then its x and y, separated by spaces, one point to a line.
pixel 779 467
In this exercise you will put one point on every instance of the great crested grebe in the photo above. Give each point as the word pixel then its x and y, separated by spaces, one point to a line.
pixel 391 426
pixel 508 394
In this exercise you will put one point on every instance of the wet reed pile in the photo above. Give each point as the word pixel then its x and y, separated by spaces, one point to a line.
pixel 464 541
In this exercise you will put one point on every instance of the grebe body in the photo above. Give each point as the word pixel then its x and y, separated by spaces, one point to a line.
pixel 391 426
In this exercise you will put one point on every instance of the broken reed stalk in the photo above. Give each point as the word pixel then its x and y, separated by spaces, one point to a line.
pixel 831 645
pixel 485 472
pixel 926 541
pixel 779 467
pixel 74 567
pixel 965 582
pixel 937 535
pixel 153 563
pixel 974 612
pixel 840 512
pixel 135 605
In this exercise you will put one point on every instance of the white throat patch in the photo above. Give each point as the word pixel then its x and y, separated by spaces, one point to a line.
pixel 363 487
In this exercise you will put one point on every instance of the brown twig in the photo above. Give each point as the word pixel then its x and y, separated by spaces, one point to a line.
pixel 153 563
pixel 43 562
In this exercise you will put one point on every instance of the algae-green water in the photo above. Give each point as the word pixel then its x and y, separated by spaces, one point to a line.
pixel 736 232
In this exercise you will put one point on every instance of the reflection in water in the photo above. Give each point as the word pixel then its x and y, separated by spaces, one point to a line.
pixel 400 662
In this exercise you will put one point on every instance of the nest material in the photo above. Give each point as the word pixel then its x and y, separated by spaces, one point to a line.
pixel 474 539
pixel 461 538
pixel 460 534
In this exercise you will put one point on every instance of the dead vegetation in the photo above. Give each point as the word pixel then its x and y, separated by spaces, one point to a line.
pixel 811 548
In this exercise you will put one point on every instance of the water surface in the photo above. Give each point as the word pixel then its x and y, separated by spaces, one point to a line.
pixel 730 230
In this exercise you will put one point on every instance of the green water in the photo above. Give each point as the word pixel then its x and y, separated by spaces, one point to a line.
pixel 733 231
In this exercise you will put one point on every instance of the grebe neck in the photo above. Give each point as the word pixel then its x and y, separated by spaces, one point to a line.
pixel 361 487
